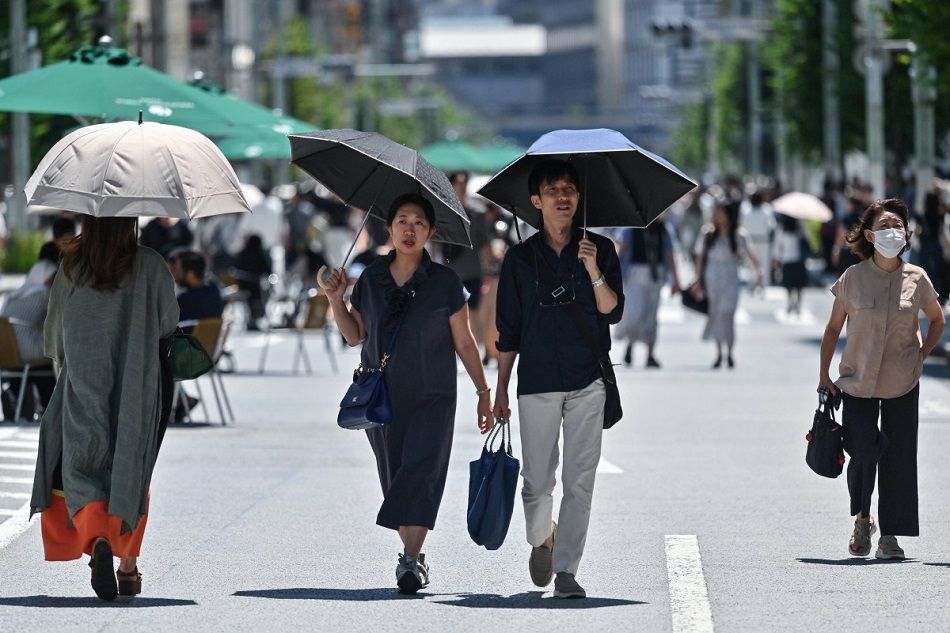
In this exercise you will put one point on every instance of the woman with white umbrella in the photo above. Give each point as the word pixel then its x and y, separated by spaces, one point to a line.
pixel 111 304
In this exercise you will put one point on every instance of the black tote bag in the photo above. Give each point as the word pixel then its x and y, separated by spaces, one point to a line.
pixel 825 452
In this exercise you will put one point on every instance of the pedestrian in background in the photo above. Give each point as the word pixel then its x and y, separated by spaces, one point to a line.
pixel 251 267
pixel 560 387
pixel 723 245
pixel 110 305
pixel 879 374
pixel 648 262
pixel 412 452
pixel 791 252
pixel 467 262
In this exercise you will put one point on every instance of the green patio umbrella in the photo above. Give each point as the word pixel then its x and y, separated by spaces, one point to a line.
pixel 111 84
pixel 262 133
pixel 464 156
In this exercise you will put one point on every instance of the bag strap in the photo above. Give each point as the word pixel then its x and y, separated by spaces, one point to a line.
pixel 546 276
pixel 392 339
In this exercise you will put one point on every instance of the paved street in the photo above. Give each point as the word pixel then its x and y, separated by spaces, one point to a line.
pixel 269 524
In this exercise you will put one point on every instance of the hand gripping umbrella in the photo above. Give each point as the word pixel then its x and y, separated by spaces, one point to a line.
pixel 368 171
pixel 622 183
pixel 130 169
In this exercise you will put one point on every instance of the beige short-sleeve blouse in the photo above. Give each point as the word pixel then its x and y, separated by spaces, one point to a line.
pixel 882 357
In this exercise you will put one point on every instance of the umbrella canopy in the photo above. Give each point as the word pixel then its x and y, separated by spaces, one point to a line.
pixel 109 83
pixel 802 206
pixel 463 156
pixel 258 132
pixel 130 169
pixel 622 184
pixel 369 171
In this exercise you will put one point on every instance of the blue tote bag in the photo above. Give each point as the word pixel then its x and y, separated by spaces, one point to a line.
pixel 493 480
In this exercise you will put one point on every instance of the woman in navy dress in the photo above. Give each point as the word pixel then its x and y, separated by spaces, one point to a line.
pixel 412 453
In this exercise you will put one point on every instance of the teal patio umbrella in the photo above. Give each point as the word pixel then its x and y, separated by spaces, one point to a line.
pixel 110 84
pixel 464 156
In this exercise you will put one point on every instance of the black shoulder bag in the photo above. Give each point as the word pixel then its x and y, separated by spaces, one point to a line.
pixel 612 409
pixel 825 452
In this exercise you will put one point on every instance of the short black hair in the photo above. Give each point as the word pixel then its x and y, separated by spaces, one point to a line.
pixel 411 198
pixel 50 252
pixel 63 226
pixel 551 170
pixel 455 175
pixel 192 261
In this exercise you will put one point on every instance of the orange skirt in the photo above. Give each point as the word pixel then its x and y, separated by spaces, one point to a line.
pixel 62 542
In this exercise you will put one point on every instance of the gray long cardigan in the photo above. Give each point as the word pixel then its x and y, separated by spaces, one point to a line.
pixel 103 418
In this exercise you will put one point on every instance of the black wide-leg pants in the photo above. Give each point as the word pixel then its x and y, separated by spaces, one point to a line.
pixel 889 453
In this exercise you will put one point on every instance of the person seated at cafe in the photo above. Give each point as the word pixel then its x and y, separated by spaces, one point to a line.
pixel 200 297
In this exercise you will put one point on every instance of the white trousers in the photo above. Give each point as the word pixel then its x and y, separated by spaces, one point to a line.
pixel 542 416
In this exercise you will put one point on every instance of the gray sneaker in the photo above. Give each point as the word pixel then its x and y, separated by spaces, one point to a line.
pixel 540 565
pixel 412 576
pixel 860 543
pixel 888 549
pixel 566 587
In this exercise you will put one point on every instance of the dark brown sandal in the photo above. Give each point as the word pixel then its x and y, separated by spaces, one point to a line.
pixel 130 584
pixel 103 572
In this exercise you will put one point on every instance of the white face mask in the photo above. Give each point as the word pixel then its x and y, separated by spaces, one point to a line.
pixel 889 242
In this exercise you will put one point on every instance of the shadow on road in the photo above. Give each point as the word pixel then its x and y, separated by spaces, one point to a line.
pixel 62 602
pixel 532 600
pixel 947 565
pixel 345 595
pixel 853 561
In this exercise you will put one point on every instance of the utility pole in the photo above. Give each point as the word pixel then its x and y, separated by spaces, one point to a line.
pixel 874 95
pixel 923 87
pixel 20 120
pixel 831 111
pixel 754 84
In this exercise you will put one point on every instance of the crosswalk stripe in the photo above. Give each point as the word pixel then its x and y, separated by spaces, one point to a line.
pixel 14 495
pixel 25 467
pixel 16 525
pixel 31 455
pixel 689 600
pixel 18 444
pixel 16 480
pixel 607 468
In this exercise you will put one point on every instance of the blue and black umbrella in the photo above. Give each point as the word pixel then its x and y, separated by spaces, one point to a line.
pixel 622 184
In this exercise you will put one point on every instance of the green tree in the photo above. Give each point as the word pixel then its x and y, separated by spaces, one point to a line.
pixel 689 138
pixel 62 26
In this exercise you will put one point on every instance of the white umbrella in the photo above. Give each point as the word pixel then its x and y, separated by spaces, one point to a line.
pixel 131 169
pixel 802 206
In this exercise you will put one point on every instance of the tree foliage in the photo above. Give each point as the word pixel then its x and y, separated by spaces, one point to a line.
pixel 62 26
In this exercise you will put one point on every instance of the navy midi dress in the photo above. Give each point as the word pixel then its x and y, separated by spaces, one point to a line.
pixel 412 453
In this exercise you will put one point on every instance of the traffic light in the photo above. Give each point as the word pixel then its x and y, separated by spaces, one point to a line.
pixel 683 28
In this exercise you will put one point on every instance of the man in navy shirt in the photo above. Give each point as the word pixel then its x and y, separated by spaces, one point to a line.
pixel 201 299
pixel 559 380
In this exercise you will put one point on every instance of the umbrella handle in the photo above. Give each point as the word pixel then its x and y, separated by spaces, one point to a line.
pixel 321 277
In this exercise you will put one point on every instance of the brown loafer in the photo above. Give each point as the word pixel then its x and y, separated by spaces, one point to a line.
pixel 130 584
pixel 103 572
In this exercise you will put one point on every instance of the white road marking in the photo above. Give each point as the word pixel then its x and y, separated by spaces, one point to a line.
pixel 14 495
pixel 30 455
pixel 7 512
pixel 689 601
pixel 18 444
pixel 805 318
pixel 8 432
pixel 16 480
pixel 934 408
pixel 27 467
pixel 606 468
pixel 16 525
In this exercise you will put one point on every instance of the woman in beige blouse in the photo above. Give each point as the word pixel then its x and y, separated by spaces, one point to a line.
pixel 880 298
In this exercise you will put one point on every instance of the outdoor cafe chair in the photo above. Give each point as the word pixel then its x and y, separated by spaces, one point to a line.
pixel 212 334
pixel 11 366
pixel 315 318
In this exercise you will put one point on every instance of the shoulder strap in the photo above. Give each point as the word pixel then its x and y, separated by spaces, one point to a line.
pixel 546 276
pixel 392 339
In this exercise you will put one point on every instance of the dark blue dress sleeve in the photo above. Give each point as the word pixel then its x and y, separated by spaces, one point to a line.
pixel 456 292
pixel 356 298
pixel 508 313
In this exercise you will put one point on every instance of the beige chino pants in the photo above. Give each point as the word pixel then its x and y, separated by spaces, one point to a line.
pixel 542 417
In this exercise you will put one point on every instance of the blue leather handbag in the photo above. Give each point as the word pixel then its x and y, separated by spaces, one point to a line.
pixel 366 404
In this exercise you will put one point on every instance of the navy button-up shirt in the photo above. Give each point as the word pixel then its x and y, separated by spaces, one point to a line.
pixel 554 355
